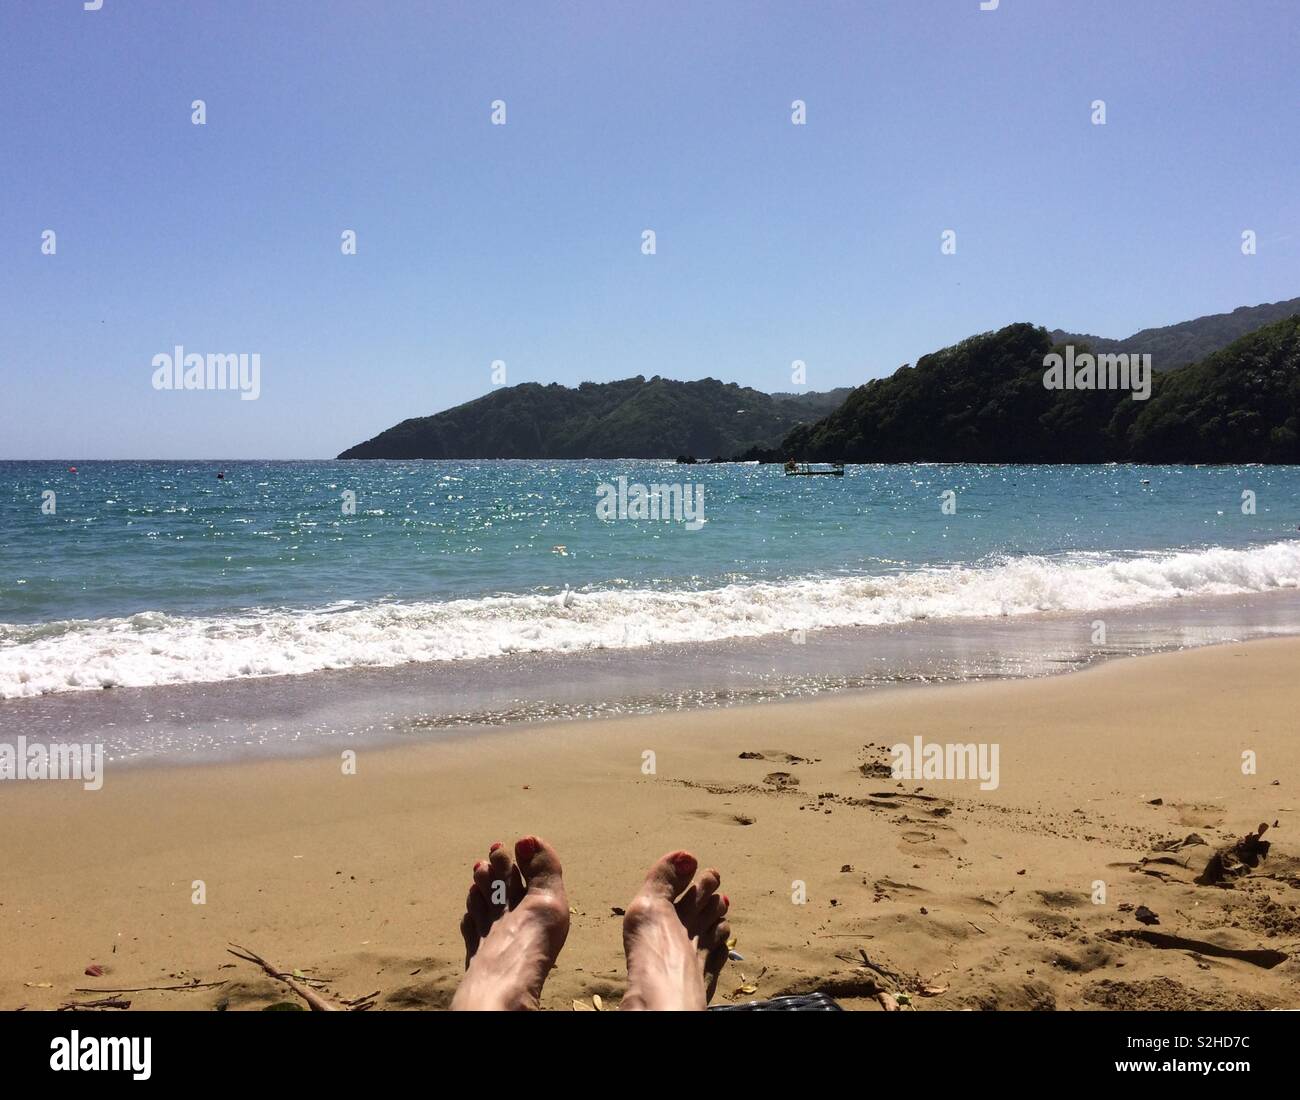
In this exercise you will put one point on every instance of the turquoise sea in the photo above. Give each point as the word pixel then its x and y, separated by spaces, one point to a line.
pixel 150 573
pixel 290 606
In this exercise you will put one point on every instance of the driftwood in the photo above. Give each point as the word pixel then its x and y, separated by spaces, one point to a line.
pixel 107 1002
pixel 361 1004
pixel 1235 860
pixel 315 1001
pixel 152 988
pixel 884 971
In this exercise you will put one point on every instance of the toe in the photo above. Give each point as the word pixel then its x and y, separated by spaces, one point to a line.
pixel 712 910
pixel 479 911
pixel 539 865
pixel 503 874
pixel 515 889
pixel 483 879
pixel 697 894
pixel 671 875
pixel 714 944
pixel 469 931
pixel 713 964
pixel 718 935
pixel 706 916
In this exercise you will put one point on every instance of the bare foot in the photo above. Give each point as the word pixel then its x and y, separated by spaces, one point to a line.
pixel 675 948
pixel 516 920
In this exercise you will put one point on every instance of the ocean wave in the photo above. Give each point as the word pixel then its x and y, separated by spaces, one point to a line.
pixel 154 648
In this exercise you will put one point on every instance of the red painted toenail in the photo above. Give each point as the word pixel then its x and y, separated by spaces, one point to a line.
pixel 478 865
pixel 495 846
pixel 726 900
pixel 681 860
pixel 528 847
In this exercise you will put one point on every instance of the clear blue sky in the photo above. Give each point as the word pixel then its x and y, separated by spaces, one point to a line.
pixel 523 242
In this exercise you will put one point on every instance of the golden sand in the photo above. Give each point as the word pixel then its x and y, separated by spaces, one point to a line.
pixel 1025 896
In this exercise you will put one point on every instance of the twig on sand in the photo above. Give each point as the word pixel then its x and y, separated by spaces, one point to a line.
pixel 884 972
pixel 107 1002
pixel 152 988
pixel 360 1004
pixel 315 1001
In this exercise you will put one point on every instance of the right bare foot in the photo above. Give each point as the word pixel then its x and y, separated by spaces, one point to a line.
pixel 516 920
pixel 675 948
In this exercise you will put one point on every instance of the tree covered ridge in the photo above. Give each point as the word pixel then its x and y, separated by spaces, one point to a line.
pixel 983 400
pixel 1187 342
pixel 630 418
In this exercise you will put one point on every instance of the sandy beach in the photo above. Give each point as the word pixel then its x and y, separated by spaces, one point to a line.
pixel 1128 774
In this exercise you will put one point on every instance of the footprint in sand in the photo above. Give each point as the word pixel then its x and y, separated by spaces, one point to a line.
pixel 926 842
pixel 917 842
pixel 1198 813
pixel 895 800
pixel 720 818
pixel 886 887
pixel 779 756
pixel 1062 899
pixel 1093 956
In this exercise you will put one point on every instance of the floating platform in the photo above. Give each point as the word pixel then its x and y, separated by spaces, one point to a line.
pixel 814 473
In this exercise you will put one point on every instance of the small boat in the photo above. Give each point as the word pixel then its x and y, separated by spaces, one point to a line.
pixel 804 469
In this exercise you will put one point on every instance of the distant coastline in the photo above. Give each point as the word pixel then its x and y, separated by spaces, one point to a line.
pixel 1219 389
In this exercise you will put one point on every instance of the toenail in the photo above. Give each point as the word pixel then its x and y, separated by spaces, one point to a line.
pixel 495 846
pixel 726 900
pixel 529 847
pixel 479 865
pixel 681 860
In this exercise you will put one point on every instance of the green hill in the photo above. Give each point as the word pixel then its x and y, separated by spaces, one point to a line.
pixel 983 400
pixel 1241 404
pixel 1189 341
pixel 632 418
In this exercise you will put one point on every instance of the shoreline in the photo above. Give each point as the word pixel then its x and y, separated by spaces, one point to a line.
pixel 51 654
pixel 318 713
pixel 986 895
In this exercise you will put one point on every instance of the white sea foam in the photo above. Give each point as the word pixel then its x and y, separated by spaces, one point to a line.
pixel 153 648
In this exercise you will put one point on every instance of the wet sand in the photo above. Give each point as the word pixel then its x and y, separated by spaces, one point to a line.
pixel 1022 897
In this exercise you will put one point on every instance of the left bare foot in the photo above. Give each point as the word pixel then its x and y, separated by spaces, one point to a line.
pixel 516 921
